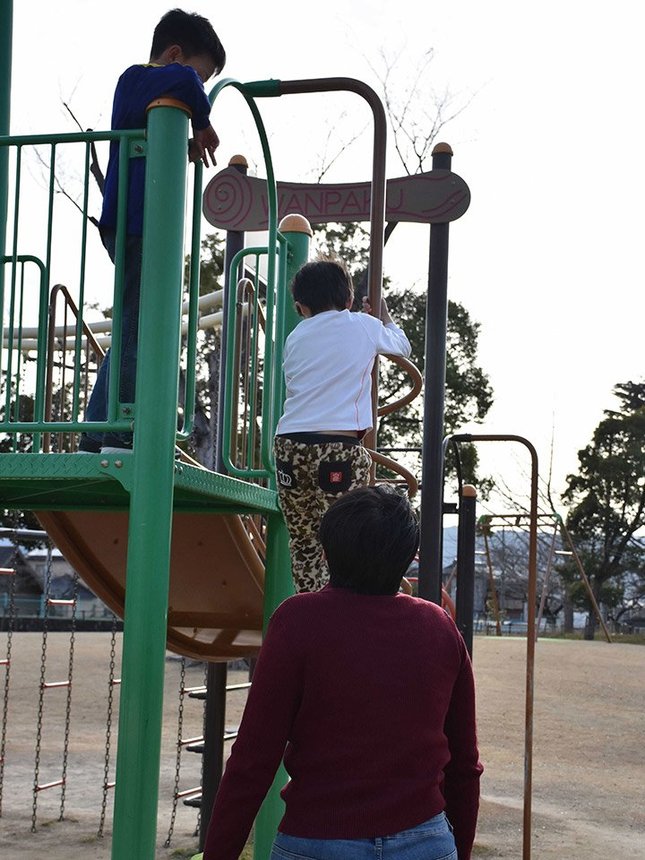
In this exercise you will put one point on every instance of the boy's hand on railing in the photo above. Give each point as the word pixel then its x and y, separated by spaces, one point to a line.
pixel 204 145
pixel 384 315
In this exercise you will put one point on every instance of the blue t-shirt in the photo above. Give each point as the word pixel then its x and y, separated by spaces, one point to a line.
pixel 138 86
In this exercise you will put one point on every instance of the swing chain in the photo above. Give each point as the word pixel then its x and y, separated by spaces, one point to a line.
pixel 180 729
pixel 68 706
pixel 5 702
pixel 108 728
pixel 41 691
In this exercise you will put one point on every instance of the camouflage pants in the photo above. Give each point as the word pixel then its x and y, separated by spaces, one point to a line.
pixel 312 472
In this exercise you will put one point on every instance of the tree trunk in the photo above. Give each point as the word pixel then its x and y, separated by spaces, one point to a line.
pixel 567 612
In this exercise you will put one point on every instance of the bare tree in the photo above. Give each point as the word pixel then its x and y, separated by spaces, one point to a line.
pixel 416 111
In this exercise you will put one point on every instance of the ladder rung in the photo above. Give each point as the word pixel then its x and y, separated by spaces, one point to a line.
pixel 60 602
pixel 5 662
pixel 246 685
pixel 7 571
pixel 197 693
pixel 195 802
pixel 115 681
pixel 185 741
pixel 47 785
pixel 188 792
pixel 53 684
pixel 200 692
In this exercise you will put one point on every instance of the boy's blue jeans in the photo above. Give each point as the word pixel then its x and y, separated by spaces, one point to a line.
pixel 432 840
pixel 98 402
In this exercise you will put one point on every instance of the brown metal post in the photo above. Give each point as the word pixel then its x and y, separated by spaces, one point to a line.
pixel 466 564
pixel 530 631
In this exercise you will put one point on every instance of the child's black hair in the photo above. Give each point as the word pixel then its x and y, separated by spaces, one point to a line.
pixel 323 285
pixel 193 33
pixel 370 536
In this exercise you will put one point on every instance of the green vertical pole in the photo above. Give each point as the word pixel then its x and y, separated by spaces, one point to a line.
pixel 278 583
pixel 151 503
pixel 6 38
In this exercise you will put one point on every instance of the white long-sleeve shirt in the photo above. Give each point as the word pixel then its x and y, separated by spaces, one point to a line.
pixel 328 360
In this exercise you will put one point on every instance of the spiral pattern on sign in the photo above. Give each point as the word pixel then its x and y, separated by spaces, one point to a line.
pixel 227 199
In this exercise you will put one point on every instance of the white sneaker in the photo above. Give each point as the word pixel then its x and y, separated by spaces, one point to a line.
pixel 108 449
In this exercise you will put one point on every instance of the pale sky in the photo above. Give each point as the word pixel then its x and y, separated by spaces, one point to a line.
pixel 551 144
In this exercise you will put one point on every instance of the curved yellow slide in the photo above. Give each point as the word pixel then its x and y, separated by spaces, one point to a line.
pixel 215 605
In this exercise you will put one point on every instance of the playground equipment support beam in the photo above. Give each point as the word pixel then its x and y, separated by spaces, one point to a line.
pixel 6 37
pixel 466 564
pixel 213 756
pixel 431 540
pixel 151 501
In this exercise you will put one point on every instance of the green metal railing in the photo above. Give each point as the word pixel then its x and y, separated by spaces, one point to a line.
pixel 29 244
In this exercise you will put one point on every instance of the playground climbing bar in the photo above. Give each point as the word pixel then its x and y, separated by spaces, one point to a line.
pixel 151 504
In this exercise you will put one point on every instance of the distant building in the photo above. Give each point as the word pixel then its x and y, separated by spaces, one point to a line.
pixel 26 577
pixel 30 583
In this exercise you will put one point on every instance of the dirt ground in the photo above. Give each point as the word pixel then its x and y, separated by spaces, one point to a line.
pixel 589 730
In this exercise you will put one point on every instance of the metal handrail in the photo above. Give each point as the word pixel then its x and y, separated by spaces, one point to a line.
pixel 398 469
pixel 91 344
pixel 417 384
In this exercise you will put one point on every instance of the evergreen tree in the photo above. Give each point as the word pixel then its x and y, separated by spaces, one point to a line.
pixel 607 496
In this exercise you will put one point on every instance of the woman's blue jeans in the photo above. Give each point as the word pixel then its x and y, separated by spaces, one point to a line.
pixel 97 407
pixel 432 840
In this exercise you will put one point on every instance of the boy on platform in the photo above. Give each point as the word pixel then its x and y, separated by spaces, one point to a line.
pixel 185 53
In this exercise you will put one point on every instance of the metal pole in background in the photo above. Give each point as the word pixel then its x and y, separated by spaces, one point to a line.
pixel 431 539
pixel 466 564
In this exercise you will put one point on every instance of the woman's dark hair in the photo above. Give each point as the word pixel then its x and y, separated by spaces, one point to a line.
pixel 193 33
pixel 370 536
pixel 323 285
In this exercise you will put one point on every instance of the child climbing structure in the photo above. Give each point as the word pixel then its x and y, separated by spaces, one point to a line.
pixel 165 543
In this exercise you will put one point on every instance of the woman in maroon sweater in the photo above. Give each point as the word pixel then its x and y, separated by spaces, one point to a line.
pixel 368 695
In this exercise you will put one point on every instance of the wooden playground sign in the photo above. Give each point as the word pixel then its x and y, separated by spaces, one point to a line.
pixel 234 201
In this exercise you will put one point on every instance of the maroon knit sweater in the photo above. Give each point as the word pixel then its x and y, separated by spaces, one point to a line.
pixel 370 699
